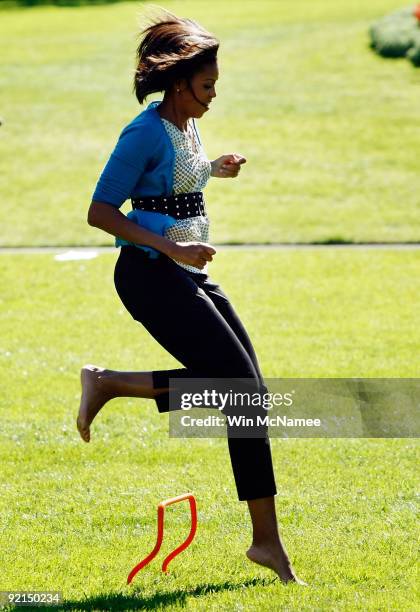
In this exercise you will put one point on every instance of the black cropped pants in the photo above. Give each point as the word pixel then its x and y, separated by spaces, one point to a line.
pixel 191 317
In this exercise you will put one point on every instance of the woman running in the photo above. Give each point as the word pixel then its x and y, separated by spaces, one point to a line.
pixel 161 272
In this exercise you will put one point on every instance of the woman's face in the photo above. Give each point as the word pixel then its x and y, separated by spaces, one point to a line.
pixel 197 98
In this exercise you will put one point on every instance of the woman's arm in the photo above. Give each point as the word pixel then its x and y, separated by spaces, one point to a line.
pixel 111 220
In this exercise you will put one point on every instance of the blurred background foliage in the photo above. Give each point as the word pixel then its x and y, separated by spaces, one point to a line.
pixel 398 34
pixel 23 3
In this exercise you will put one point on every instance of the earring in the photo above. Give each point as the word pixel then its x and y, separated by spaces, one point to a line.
pixel 178 90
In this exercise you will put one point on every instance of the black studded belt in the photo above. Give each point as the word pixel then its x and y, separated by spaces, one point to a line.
pixel 181 206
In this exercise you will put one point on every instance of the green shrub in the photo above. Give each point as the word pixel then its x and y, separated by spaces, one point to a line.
pixel 5 4
pixel 396 35
pixel 413 53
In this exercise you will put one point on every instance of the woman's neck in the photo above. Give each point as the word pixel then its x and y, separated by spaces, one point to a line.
pixel 167 110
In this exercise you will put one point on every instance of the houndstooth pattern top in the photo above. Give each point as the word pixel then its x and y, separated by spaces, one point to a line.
pixel 191 172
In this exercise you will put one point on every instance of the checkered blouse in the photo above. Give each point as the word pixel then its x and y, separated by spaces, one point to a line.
pixel 191 173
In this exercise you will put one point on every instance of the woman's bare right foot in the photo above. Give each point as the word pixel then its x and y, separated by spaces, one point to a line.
pixel 271 558
pixel 93 398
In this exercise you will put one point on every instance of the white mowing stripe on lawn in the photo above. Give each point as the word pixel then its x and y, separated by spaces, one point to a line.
pixel 76 254
pixel 84 252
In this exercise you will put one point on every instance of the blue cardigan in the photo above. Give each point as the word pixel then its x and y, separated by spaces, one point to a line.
pixel 141 164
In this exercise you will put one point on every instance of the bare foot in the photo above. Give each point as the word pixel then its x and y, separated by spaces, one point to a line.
pixel 271 558
pixel 92 400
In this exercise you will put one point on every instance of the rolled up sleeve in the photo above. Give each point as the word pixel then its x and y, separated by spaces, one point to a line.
pixel 126 165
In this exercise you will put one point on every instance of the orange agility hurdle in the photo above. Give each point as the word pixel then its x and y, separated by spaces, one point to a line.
pixel 161 511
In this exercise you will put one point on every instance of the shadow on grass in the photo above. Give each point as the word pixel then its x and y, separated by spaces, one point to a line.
pixel 136 601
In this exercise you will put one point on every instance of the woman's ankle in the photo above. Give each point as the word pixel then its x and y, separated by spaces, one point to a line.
pixel 106 382
pixel 116 383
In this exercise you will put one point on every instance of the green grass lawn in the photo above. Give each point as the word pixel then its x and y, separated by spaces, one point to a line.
pixel 330 130
pixel 76 517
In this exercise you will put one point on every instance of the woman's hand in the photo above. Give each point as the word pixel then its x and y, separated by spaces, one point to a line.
pixel 195 254
pixel 227 166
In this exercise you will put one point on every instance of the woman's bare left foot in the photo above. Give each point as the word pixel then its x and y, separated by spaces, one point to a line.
pixel 92 400
pixel 268 557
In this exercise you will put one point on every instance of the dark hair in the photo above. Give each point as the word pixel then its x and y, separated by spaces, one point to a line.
pixel 171 48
